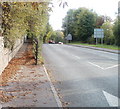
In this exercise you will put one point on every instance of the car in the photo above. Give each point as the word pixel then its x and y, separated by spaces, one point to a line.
pixel 51 42
pixel 60 42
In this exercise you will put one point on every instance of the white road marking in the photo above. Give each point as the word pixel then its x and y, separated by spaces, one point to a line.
pixel 53 90
pixel 102 67
pixel 77 57
pixel 111 99
pixel 96 65
pixel 111 67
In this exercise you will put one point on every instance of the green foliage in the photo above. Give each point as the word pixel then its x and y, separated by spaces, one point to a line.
pixel 116 31
pixel 80 23
pixel 91 40
pixel 108 33
pixel 21 17
pixel 57 36
pixel 98 45
pixel 53 36
pixel 86 25
pixel 48 33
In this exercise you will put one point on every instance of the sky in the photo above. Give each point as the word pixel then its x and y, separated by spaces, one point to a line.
pixel 101 7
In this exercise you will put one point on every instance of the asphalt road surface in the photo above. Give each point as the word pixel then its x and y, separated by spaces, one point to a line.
pixel 85 77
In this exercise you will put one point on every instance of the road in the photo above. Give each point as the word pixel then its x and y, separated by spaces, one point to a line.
pixel 85 77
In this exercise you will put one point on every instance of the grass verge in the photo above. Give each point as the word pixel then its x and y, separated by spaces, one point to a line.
pixel 113 47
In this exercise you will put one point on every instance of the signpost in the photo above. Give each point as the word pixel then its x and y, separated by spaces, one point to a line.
pixel 99 33
pixel 69 37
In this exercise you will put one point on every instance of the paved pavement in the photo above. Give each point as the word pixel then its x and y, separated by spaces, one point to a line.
pixel 84 77
pixel 30 86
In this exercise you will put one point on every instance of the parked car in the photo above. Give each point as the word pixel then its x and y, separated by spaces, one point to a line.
pixel 60 42
pixel 51 42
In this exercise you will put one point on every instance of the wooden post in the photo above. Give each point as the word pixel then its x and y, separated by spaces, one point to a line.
pixel 96 41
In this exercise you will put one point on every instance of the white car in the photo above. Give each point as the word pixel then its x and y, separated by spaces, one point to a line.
pixel 60 42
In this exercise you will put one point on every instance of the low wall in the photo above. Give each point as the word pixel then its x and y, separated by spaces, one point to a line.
pixel 6 55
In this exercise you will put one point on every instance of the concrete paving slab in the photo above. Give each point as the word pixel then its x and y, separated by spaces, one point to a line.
pixel 29 87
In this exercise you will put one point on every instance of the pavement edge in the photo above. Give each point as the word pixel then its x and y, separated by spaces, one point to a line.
pixel 53 89
pixel 95 48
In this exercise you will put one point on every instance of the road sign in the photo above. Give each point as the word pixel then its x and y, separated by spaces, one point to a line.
pixel 69 37
pixel 98 33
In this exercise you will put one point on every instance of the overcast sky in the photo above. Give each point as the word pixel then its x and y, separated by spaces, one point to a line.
pixel 101 7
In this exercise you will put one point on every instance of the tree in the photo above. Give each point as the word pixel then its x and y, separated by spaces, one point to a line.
pixel 57 36
pixel 68 22
pixel 86 23
pixel 48 33
pixel 80 23
pixel 108 32
pixel 20 17
pixel 107 18
pixel 99 21
pixel 116 31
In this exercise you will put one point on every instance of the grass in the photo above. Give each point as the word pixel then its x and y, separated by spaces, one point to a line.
pixel 113 47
